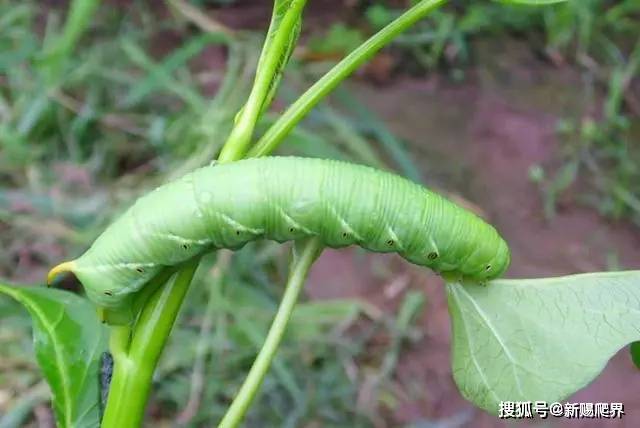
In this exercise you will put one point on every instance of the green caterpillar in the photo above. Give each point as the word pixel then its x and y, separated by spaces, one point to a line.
pixel 283 199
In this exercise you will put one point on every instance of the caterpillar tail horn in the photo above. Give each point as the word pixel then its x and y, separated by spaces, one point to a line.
pixel 58 269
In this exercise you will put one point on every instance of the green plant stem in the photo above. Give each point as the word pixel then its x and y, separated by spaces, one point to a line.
pixel 241 135
pixel 279 130
pixel 136 353
pixel 304 255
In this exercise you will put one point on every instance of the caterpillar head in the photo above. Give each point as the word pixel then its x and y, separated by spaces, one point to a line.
pixel 499 264
pixel 489 260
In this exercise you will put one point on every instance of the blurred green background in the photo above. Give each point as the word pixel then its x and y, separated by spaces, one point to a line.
pixel 529 116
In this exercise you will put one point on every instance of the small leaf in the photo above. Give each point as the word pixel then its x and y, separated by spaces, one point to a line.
pixel 68 341
pixel 539 339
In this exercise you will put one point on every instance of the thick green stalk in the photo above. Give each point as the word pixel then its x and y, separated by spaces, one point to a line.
pixel 303 257
pixel 136 353
pixel 241 135
pixel 337 74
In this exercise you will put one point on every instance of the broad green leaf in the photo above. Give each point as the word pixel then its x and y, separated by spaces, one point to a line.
pixel 539 339
pixel 69 342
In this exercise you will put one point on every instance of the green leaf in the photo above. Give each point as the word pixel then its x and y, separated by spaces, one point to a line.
pixel 539 339
pixel 69 342
pixel 635 353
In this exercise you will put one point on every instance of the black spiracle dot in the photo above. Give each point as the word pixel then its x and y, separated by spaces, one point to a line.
pixel 238 232
pixel 185 246
pixel 345 235
pixel 487 268
pixel 108 293
pixel 432 256
pixel 390 242
pixel 139 269
pixel 291 229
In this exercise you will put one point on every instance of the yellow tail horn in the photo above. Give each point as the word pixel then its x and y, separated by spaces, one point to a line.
pixel 58 269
